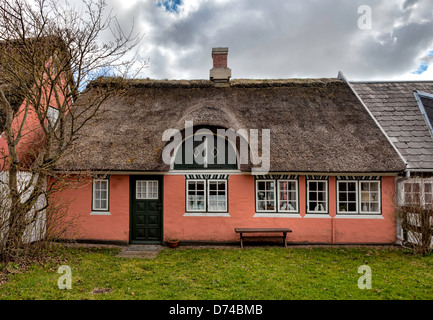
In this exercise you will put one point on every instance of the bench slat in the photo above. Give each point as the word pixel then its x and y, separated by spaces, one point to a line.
pixel 284 232
pixel 262 230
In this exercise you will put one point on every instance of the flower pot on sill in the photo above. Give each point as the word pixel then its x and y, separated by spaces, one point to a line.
pixel 173 243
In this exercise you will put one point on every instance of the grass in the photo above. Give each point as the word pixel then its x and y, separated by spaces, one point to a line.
pixel 268 273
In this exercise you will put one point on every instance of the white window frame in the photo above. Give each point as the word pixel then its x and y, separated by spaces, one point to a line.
pixel 309 210
pixel 204 195
pixel 146 197
pixel 356 194
pixel 275 194
pixel 296 210
pixel 208 195
pixel 422 182
pixel 379 200
pixel 105 209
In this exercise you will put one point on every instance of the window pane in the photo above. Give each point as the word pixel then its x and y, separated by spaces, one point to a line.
pixel 312 186
pixel 343 207
pixel 370 196
pixel 265 195
pixel 351 186
pixel 352 207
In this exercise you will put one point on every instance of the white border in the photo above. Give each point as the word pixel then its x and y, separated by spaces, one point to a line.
pixel 93 195
pixel 206 214
pixel 257 198
pixel 379 200
pixel 296 199
pixel 186 195
pixel 308 210
pixel 147 189
pixel 338 197
pixel 208 195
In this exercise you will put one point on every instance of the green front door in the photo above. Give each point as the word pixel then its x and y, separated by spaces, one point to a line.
pixel 146 209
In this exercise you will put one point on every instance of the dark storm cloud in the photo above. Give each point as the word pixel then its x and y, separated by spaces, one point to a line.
pixel 281 39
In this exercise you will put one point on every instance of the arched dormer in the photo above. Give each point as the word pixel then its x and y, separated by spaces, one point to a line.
pixel 206 150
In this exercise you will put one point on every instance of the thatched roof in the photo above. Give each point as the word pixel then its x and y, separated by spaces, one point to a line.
pixel 317 125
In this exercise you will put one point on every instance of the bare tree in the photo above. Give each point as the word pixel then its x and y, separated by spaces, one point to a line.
pixel 49 52
pixel 415 213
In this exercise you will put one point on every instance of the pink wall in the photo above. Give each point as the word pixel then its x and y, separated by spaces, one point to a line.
pixel 306 228
pixel 101 227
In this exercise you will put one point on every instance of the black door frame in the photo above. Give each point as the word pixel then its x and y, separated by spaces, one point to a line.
pixel 132 184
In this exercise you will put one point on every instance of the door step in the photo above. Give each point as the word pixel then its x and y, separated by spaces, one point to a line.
pixel 140 251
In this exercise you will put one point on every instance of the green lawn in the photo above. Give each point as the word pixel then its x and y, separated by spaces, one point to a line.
pixel 227 274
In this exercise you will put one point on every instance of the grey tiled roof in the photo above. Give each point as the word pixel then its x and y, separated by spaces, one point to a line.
pixel 394 106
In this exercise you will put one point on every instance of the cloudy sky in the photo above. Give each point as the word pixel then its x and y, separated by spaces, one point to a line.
pixel 284 39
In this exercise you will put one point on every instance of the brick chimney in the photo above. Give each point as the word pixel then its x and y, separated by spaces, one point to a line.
pixel 220 73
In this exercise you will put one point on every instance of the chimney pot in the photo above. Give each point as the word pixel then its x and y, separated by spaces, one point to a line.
pixel 220 73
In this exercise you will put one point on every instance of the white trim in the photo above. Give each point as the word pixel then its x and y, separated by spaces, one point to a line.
pixel 276 215
pixel 359 216
pixel 296 210
pixel 146 195
pixel 206 214
pixel 204 195
pixel 338 197
pixel 318 215
pixel 225 193
pixel 100 213
pixel 257 198
pixel 379 200
pixel 245 173
pixel 425 94
pixel 105 209
pixel 317 191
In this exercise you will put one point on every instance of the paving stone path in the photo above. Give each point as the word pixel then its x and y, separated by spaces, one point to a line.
pixel 140 251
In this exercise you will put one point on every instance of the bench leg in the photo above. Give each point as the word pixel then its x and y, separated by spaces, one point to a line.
pixel 284 239
pixel 242 242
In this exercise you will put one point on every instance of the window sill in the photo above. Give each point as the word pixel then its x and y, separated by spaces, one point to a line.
pixel 359 216
pixel 100 213
pixel 276 215
pixel 206 214
pixel 318 215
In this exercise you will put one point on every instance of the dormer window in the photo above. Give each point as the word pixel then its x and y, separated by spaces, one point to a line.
pixel 206 152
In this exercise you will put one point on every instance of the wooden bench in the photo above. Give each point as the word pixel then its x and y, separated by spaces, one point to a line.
pixel 242 231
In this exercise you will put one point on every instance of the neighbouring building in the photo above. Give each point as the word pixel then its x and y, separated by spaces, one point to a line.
pixel 404 109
